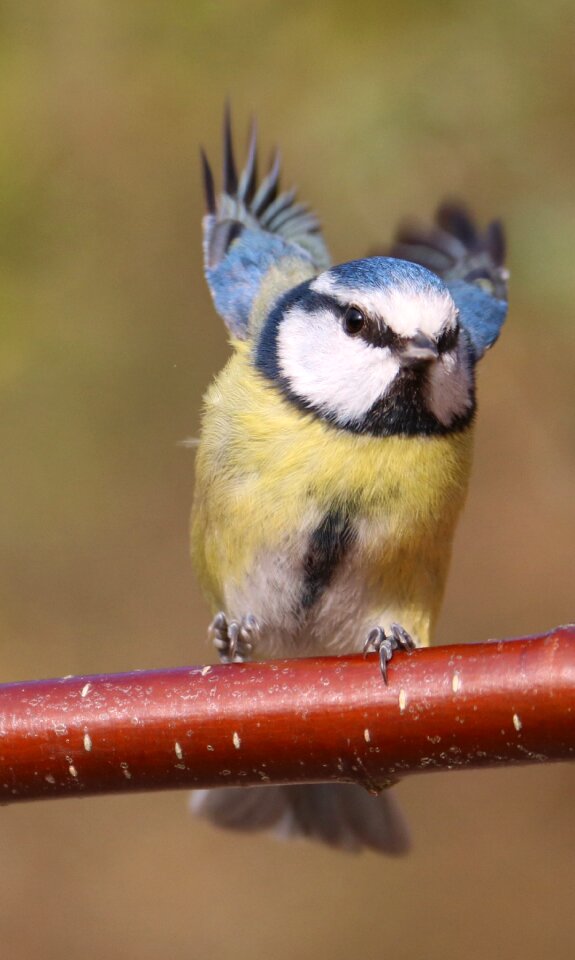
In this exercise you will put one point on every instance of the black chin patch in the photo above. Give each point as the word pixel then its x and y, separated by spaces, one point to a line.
pixel 403 411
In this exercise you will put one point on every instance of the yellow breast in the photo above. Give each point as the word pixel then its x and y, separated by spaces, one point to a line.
pixel 264 466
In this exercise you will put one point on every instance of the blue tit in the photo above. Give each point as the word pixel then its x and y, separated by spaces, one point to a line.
pixel 335 453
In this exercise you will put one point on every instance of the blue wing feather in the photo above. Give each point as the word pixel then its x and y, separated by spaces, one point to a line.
pixel 481 314
pixel 248 229
pixel 236 280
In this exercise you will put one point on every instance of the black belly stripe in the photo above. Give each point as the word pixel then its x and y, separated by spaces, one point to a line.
pixel 327 547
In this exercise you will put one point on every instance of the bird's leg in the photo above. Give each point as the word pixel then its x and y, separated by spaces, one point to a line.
pixel 386 644
pixel 234 640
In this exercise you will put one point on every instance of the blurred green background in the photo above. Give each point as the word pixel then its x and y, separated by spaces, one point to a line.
pixel 108 342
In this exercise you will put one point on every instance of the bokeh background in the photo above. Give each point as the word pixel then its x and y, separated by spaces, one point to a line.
pixel 108 341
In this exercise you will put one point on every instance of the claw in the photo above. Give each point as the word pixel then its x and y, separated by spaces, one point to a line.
pixel 234 639
pixel 372 640
pixel 386 645
pixel 383 667
pixel 402 638
pixel 233 635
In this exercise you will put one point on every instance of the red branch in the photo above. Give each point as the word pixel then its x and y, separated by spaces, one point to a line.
pixel 473 705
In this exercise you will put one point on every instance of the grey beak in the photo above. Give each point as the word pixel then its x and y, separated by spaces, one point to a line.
pixel 419 350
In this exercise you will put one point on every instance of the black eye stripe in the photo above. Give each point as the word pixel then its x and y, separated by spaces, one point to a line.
pixel 380 335
pixel 448 339
pixel 357 323
pixel 374 332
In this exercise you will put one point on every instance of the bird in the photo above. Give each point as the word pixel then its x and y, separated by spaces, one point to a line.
pixel 335 452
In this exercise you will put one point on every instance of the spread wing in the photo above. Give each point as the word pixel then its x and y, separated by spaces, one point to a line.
pixel 249 227
pixel 469 261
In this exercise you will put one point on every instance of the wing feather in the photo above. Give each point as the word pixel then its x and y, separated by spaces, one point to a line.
pixel 250 227
pixel 471 262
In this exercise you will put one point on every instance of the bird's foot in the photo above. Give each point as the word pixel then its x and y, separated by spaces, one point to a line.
pixel 386 644
pixel 234 640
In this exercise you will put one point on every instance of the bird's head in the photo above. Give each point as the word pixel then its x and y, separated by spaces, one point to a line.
pixel 373 346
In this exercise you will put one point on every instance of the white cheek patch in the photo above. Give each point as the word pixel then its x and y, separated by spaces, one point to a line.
pixel 449 388
pixel 403 308
pixel 337 374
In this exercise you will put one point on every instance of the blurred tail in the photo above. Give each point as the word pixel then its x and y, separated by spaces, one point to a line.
pixel 341 815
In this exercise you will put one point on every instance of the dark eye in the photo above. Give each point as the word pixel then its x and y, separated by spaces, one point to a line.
pixel 448 339
pixel 354 321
